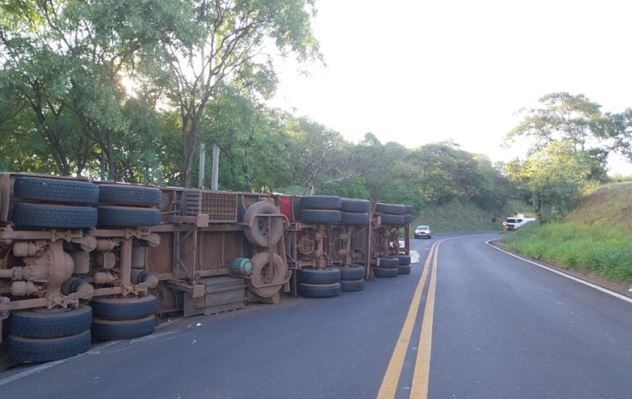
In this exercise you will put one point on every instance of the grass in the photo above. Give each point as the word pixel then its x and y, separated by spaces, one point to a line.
pixel 460 216
pixel 596 236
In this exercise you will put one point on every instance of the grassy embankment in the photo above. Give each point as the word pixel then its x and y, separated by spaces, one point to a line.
pixel 459 216
pixel 596 237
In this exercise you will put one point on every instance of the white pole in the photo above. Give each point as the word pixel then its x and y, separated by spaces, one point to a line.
pixel 215 177
pixel 202 166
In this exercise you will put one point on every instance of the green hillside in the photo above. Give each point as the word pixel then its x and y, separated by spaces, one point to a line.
pixel 457 216
pixel 595 237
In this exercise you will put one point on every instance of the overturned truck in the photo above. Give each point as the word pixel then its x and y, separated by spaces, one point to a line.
pixel 84 261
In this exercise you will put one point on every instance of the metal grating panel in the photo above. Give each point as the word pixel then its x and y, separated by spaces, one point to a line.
pixel 220 207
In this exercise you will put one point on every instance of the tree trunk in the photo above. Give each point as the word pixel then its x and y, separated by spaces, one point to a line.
pixel 189 140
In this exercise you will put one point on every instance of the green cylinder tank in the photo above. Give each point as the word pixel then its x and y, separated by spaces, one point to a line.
pixel 241 267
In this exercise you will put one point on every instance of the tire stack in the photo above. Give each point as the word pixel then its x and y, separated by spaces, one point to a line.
pixel 44 335
pixel 404 264
pixel 391 214
pixel 355 211
pixel 388 267
pixel 42 203
pixel 352 278
pixel 123 205
pixel 123 318
pixel 319 283
pixel 320 209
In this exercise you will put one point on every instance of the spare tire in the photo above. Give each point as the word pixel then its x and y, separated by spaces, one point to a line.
pixel 319 276
pixel 129 195
pixel 320 216
pixel 257 226
pixel 355 205
pixel 321 202
pixel 269 273
pixel 355 218
pixel 393 209
pixel 55 190
pixel 28 216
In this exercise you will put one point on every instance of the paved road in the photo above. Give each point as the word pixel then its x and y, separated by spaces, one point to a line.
pixel 499 328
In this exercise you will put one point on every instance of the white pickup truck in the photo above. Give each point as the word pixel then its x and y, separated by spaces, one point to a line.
pixel 515 222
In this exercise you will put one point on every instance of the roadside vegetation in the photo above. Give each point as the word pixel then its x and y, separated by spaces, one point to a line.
pixel 596 237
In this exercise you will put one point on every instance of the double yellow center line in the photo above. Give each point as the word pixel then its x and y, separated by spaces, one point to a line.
pixel 419 388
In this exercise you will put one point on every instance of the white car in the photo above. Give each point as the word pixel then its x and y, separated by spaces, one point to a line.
pixel 515 222
pixel 423 231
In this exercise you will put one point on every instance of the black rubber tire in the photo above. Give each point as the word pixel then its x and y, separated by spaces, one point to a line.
pixel 55 190
pixel 24 350
pixel 112 330
pixel 37 216
pixel 123 194
pixel 355 205
pixel 320 216
pixel 321 202
pixel 404 260
pixel 319 290
pixel 403 269
pixel 353 272
pixel 123 308
pixel 120 216
pixel 382 272
pixel 389 263
pixel 391 219
pixel 355 218
pixel 259 233
pixel 410 210
pixel 392 209
pixel 319 276
pixel 352 285
pixel 408 219
pixel 36 324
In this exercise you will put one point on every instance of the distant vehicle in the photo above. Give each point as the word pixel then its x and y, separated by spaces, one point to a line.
pixel 515 222
pixel 423 231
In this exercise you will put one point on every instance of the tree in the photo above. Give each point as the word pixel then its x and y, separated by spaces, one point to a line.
pixel 223 42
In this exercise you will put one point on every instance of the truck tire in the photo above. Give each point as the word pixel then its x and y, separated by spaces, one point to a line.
pixel 319 276
pixel 392 209
pixel 55 190
pixel 355 218
pixel 320 216
pixel 319 290
pixel 321 202
pixel 352 285
pixel 383 272
pixel 410 210
pixel 113 330
pixel 24 350
pixel 389 263
pixel 120 216
pixel 391 219
pixel 353 272
pixel 404 260
pixel 408 219
pixel 41 324
pixel 268 274
pixel 355 205
pixel 123 308
pixel 403 269
pixel 129 195
pixel 258 234
pixel 37 216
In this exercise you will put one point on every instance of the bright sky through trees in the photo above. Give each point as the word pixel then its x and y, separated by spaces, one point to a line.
pixel 424 71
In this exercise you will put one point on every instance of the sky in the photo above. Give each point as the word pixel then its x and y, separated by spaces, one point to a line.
pixel 417 72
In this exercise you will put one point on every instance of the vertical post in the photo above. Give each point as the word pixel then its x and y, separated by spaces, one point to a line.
pixel 215 177
pixel 125 264
pixel 202 166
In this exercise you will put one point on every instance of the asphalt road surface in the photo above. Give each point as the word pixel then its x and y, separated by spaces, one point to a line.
pixel 468 322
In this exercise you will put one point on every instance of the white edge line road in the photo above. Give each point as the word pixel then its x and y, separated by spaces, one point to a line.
pixel 568 276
